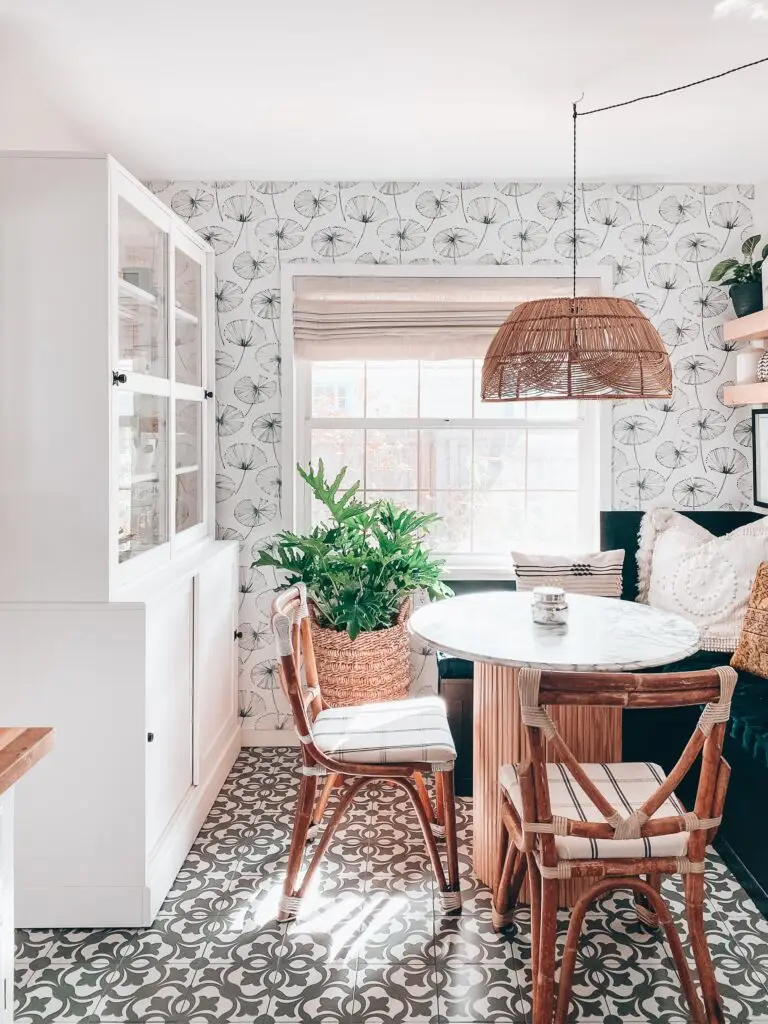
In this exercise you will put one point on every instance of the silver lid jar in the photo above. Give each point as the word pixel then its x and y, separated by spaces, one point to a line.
pixel 549 606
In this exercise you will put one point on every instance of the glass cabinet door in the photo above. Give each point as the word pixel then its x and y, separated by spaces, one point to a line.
pixel 142 290
pixel 187 317
pixel 142 473
pixel 160 414
pixel 189 454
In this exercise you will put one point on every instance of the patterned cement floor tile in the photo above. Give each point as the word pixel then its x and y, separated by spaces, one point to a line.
pixel 369 943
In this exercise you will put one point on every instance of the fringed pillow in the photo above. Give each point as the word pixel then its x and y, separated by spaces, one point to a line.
pixel 751 654
pixel 685 569
pixel 598 574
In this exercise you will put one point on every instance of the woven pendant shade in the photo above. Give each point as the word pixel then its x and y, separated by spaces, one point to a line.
pixel 593 347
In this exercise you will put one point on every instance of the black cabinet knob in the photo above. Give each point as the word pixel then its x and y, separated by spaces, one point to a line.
pixel 209 394
pixel 150 737
pixel 118 378
pixel 238 634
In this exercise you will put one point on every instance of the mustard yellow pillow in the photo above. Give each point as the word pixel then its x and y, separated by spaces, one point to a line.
pixel 751 654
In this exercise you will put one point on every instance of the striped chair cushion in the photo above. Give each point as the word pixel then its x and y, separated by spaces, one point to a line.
pixel 393 733
pixel 599 574
pixel 626 786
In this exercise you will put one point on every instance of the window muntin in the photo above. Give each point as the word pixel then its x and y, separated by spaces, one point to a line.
pixel 502 475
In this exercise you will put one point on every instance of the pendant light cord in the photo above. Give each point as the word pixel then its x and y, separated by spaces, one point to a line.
pixel 575 117
pixel 626 103
pixel 666 92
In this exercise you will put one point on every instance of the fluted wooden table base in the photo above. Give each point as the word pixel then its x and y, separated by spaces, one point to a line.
pixel 593 734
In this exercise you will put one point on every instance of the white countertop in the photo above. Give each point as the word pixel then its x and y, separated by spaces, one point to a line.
pixel 603 634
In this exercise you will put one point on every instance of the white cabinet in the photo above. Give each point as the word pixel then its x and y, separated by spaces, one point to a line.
pixel 117 606
pixel 106 380
pixel 170 639
pixel 6 907
pixel 215 660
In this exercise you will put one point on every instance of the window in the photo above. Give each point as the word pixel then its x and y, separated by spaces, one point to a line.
pixel 501 475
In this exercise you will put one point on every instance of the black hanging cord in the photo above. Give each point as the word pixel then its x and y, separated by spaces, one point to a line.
pixel 626 103
pixel 575 116
pixel 677 88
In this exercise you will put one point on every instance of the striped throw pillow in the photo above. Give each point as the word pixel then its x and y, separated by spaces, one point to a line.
pixel 598 574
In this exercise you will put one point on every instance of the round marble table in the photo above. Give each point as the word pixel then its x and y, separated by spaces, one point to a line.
pixel 496 629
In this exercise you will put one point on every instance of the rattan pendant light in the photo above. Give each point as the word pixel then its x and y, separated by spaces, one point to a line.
pixel 578 347
pixel 596 347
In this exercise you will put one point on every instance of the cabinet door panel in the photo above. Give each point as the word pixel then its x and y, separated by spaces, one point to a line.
pixel 169 706
pixel 216 706
pixel 142 293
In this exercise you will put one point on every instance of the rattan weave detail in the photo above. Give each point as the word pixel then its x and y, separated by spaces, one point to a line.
pixel 590 347
pixel 371 668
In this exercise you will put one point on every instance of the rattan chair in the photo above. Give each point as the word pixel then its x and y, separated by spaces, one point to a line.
pixel 611 824
pixel 398 741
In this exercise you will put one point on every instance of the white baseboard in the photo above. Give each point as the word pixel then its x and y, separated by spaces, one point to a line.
pixel 173 846
pixel 269 737
pixel 132 906
pixel 79 906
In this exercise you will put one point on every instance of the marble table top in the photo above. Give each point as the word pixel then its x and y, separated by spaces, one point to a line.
pixel 603 634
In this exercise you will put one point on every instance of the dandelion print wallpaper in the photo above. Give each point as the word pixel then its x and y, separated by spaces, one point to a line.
pixel 689 452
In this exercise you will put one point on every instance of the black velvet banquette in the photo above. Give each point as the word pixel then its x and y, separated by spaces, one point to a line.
pixel 743 837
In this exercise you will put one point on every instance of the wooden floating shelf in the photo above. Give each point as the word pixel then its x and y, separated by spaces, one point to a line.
pixel 746 394
pixel 136 294
pixel 747 328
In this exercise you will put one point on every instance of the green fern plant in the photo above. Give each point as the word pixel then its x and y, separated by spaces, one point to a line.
pixel 360 565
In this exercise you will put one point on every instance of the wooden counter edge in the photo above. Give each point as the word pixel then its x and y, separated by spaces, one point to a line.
pixel 20 749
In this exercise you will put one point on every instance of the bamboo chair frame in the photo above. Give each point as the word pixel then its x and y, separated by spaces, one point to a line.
pixel 527 840
pixel 291 626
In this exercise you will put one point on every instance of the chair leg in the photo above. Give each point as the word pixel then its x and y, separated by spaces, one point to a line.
pixel 289 901
pixel 534 884
pixel 331 781
pixel 544 982
pixel 643 909
pixel 439 826
pixel 502 919
pixel 437 830
pixel 518 878
pixel 451 899
pixel 506 859
pixel 655 901
pixel 694 912
pixel 340 810
pixel 569 958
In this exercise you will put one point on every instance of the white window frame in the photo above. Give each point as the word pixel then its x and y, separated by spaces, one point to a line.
pixel 595 439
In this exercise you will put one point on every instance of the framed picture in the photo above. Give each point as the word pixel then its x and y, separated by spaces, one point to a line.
pixel 760 457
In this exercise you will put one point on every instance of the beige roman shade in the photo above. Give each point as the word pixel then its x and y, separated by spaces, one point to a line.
pixel 383 317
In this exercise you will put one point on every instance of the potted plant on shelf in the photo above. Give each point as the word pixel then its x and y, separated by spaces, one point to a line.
pixel 743 280
pixel 360 569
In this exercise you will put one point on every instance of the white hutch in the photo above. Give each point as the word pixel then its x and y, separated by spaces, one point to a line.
pixel 117 607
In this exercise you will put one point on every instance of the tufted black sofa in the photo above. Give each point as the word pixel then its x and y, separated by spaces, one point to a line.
pixel 743 836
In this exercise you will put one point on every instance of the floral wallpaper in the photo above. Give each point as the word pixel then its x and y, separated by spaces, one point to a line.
pixel 688 452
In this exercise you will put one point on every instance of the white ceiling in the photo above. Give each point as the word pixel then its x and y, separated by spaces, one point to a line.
pixel 308 89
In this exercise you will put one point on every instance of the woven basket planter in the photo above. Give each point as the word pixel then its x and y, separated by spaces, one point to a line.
pixel 371 668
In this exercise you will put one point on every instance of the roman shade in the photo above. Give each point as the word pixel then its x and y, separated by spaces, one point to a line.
pixel 372 317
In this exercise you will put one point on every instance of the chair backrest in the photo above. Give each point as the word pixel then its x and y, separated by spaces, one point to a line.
pixel 653 690
pixel 298 673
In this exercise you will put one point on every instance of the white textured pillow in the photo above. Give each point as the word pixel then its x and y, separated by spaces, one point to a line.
pixel 685 569
pixel 598 574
